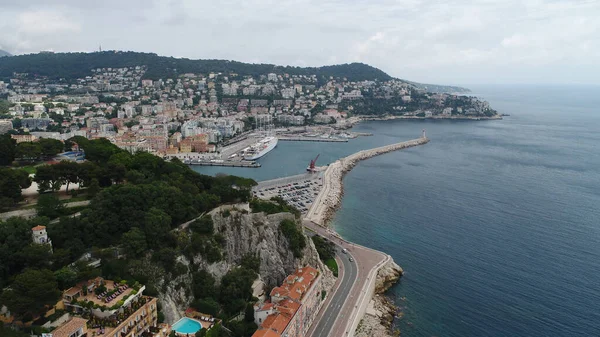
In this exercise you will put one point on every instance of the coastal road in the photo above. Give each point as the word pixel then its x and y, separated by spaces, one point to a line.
pixel 333 311
pixel 352 293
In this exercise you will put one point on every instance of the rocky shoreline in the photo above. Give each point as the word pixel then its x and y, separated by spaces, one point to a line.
pixel 379 317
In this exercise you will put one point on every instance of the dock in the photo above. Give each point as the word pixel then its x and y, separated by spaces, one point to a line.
pixel 310 139
pixel 248 164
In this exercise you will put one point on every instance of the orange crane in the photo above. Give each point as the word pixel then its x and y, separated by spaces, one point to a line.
pixel 311 167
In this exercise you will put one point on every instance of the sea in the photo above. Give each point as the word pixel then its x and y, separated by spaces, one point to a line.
pixel 495 223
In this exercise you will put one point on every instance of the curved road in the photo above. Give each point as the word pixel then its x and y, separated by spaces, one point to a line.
pixel 334 318
pixel 333 311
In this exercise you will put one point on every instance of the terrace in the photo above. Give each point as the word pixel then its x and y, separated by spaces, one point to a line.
pixel 101 296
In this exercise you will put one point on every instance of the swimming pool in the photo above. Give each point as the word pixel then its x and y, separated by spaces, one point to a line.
pixel 187 325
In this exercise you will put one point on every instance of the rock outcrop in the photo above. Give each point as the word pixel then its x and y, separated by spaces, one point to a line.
pixel 379 316
pixel 387 276
pixel 244 233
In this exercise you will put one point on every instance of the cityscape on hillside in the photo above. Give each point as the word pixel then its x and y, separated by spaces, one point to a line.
pixel 195 112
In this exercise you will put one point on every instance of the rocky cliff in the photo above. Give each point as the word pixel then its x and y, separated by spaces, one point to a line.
pixel 244 233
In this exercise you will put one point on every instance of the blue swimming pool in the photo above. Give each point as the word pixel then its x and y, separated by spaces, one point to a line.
pixel 187 325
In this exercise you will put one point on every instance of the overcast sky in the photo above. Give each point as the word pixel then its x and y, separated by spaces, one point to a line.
pixel 432 41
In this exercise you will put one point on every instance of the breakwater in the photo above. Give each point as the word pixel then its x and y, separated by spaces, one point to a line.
pixel 230 163
pixel 330 196
pixel 313 139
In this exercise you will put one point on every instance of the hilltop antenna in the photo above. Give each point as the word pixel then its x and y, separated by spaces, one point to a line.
pixel 100 48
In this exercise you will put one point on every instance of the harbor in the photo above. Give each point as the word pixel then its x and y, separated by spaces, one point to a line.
pixel 313 139
pixel 230 163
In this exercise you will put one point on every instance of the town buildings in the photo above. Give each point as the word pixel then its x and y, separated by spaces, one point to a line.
pixel 118 309
pixel 293 305
pixel 141 114
pixel 74 327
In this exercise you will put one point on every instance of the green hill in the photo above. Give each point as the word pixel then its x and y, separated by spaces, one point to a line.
pixel 439 88
pixel 77 65
pixel 4 53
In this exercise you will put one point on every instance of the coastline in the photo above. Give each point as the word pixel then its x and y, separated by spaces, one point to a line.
pixel 376 313
pixel 459 117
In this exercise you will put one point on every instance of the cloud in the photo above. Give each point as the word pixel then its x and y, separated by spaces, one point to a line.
pixel 43 22
pixel 451 41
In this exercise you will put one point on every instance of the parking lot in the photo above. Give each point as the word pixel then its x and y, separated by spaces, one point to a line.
pixel 299 191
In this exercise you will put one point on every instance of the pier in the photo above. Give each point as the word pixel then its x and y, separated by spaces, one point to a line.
pixel 315 139
pixel 248 164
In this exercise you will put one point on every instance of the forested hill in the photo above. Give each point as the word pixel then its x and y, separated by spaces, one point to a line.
pixel 4 53
pixel 77 65
pixel 439 88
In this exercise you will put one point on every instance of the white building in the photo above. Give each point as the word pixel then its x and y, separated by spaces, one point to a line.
pixel 40 237
pixel 288 93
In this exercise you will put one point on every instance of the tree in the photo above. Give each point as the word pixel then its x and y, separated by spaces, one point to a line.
pixel 36 256
pixel 157 226
pixel 134 242
pixel 50 147
pixel 93 188
pixel 236 289
pixel 49 205
pixel 249 313
pixel 204 285
pixel 206 305
pixel 66 277
pixel 28 151
pixel 204 225
pixel 9 332
pixel 294 235
pixel 4 105
pixel 325 248
pixel 11 183
pixel 68 172
pixel 215 331
pixel 7 149
pixel 17 123
pixel 31 291
pixel 48 178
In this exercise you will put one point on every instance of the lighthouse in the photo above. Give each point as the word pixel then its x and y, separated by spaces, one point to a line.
pixel 423 134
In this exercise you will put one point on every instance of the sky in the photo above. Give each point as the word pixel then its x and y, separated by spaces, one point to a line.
pixel 429 41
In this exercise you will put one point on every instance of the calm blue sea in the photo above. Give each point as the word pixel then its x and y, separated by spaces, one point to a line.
pixel 496 223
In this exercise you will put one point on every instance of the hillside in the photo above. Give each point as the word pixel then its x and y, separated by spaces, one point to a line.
pixel 4 53
pixel 439 88
pixel 78 65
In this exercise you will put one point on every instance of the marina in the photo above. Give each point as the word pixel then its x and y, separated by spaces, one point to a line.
pixel 230 163
pixel 313 139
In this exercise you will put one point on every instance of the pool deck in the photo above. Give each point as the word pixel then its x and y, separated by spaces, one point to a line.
pixel 205 325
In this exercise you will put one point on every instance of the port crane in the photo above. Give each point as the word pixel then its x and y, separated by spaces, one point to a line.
pixel 311 166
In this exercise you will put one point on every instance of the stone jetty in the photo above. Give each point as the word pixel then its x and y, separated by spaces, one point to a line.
pixel 330 196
